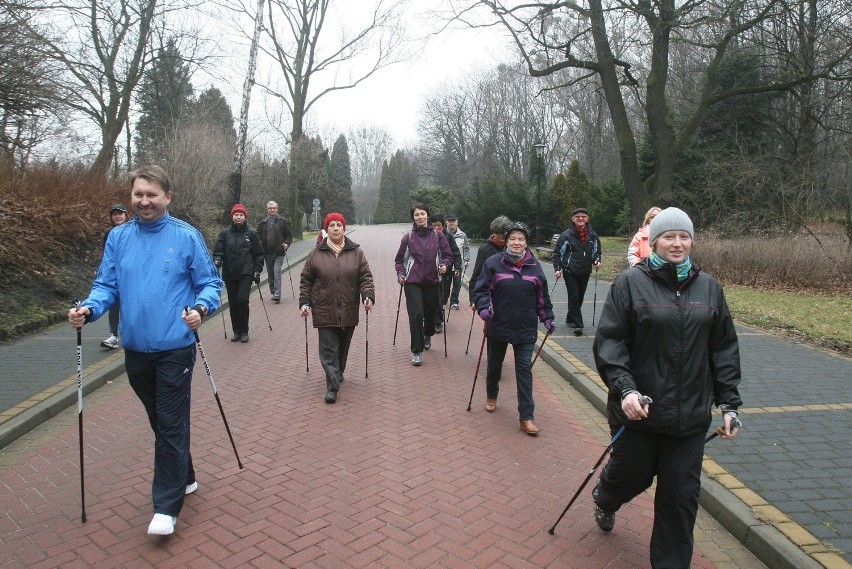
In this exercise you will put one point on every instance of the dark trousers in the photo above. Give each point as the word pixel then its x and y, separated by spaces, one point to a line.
pixel 162 382
pixel 676 461
pixel 421 301
pixel 454 296
pixel 238 302
pixel 114 313
pixel 446 287
pixel 523 374
pixel 576 287
pixel 333 351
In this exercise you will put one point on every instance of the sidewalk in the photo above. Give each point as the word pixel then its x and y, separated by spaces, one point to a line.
pixel 395 474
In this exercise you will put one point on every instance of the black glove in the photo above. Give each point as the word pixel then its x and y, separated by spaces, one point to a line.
pixel 218 263
pixel 256 278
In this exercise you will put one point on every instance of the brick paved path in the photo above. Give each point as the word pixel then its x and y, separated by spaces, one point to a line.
pixel 395 474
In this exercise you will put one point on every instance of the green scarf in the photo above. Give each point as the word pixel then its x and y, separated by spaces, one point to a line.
pixel 682 269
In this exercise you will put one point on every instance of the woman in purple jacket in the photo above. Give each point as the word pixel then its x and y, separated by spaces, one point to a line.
pixel 511 296
pixel 424 255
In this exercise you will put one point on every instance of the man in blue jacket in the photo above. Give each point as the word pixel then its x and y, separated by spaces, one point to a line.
pixel 157 265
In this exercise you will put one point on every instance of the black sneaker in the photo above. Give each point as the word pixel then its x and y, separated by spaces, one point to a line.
pixel 427 342
pixel 605 520
pixel 438 327
pixel 578 331
pixel 331 397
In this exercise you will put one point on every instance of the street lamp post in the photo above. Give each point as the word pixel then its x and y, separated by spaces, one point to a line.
pixel 540 149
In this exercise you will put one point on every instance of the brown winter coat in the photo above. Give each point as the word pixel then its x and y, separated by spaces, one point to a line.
pixel 334 287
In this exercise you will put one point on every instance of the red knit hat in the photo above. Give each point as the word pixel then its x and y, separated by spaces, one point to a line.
pixel 334 216
pixel 239 208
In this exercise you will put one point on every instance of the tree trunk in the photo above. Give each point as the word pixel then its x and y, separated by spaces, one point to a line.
pixel 621 123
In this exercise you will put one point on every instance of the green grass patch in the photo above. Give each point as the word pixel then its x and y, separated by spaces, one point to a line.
pixel 823 320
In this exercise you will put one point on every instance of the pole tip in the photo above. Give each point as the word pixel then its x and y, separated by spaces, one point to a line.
pixel 551 531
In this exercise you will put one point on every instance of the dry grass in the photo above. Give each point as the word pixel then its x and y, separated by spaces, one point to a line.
pixel 47 213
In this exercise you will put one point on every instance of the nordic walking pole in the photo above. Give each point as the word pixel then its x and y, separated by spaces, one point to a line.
pixel 289 274
pixel 554 288
pixel 595 299
pixel 645 400
pixel 80 414
pixel 367 347
pixel 224 330
pixel 478 362
pixel 715 434
pixel 307 363
pixel 263 304
pixel 472 316
pixel 398 304
pixel 215 393
pixel 443 314
pixel 539 348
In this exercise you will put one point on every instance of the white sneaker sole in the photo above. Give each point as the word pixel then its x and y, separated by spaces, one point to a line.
pixel 190 488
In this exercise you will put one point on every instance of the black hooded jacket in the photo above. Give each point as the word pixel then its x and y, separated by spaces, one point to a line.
pixel 239 250
pixel 674 342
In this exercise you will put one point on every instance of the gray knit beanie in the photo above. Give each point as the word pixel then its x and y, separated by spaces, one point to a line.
pixel 670 219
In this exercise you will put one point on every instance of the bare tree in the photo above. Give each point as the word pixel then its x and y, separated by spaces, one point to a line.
pixel 314 61
pixel 578 39
pixel 369 148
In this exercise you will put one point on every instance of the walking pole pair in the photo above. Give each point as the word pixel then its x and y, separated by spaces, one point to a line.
pixel 215 392
pixel 478 362
pixel 80 414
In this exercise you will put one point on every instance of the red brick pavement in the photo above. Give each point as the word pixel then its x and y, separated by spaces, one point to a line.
pixel 395 474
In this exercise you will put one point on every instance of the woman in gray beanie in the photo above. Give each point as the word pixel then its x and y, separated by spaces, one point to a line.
pixel 667 350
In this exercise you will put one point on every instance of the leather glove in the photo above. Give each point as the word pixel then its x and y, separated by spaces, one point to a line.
pixel 256 278
pixel 218 263
pixel 550 326
pixel 486 314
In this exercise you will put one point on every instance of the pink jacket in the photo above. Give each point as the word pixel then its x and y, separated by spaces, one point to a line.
pixel 639 247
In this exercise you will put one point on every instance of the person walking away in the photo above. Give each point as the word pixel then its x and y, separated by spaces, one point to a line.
pixel 157 265
pixel 446 283
pixel 496 243
pixel 577 250
pixel 276 238
pixel 639 247
pixel 117 216
pixel 511 296
pixel 336 278
pixel 665 332
pixel 239 254
pixel 423 256
pixel 463 244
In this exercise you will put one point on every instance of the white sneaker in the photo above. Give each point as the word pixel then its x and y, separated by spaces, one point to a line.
pixel 190 488
pixel 111 342
pixel 162 525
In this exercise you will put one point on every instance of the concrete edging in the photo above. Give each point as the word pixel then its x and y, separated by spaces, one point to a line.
pixel 765 541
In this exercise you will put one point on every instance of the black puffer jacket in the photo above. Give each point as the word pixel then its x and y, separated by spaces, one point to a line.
pixel 239 251
pixel 573 256
pixel 488 248
pixel 673 342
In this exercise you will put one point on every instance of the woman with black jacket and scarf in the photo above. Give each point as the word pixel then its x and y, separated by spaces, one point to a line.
pixel 665 333
pixel 577 251
pixel 239 254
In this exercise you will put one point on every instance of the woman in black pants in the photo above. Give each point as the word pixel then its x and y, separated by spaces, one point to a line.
pixel 239 254
pixel 666 333
pixel 423 256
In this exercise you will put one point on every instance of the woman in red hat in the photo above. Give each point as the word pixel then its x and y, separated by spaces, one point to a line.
pixel 239 253
pixel 336 278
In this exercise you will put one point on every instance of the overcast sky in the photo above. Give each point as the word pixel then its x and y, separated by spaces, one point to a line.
pixel 390 98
